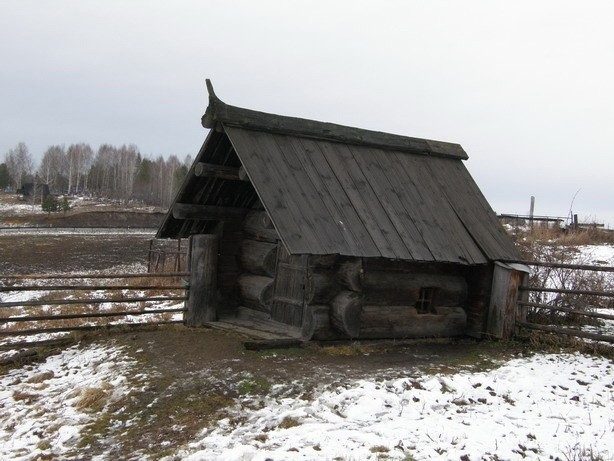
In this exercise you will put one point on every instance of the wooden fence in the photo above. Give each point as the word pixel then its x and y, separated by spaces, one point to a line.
pixel 167 255
pixel 560 298
pixel 37 304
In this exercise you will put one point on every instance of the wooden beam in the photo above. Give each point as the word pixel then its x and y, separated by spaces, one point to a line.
pixel 202 303
pixel 207 212
pixel 218 112
pixel 209 170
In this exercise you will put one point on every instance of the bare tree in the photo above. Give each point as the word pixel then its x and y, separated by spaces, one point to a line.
pixel 53 167
pixel 19 163
pixel 79 158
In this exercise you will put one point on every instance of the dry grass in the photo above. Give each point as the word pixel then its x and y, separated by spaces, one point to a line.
pixel 289 422
pixel 92 398
pixel 551 245
pixel 41 377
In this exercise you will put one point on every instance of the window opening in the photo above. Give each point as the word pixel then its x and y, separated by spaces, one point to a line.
pixel 426 300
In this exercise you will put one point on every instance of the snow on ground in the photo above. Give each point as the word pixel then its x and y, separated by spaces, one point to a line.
pixel 45 405
pixel 601 255
pixel 543 407
pixel 19 209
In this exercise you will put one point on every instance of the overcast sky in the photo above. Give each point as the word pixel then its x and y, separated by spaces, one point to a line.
pixel 526 87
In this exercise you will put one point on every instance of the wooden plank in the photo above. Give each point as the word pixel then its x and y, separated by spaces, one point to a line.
pixel 306 192
pixel 451 240
pixel 379 173
pixel 567 331
pixel 363 200
pixel 568 310
pixel 472 209
pixel 82 315
pixel 357 237
pixel 274 192
pixel 207 212
pixel 60 302
pixel 425 206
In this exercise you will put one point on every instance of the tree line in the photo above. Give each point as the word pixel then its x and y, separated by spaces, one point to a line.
pixel 112 172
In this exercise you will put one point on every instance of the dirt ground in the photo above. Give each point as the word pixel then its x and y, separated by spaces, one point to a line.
pixel 194 377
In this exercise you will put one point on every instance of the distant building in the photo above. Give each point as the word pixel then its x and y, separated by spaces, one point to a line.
pixel 34 192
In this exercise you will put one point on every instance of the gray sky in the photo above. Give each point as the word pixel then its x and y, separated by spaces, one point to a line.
pixel 526 87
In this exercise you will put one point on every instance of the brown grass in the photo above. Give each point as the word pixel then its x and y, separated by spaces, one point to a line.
pixel 41 377
pixel 91 398
pixel 289 422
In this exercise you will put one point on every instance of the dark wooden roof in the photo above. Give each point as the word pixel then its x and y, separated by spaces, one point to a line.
pixel 338 190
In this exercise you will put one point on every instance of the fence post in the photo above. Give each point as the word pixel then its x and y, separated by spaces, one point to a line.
pixel 203 298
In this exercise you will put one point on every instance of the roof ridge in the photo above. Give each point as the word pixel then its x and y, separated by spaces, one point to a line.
pixel 219 112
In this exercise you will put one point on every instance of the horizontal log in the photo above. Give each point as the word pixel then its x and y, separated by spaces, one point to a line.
pixel 134 326
pixel 59 302
pixel 36 318
pixel 405 322
pixel 91 287
pixel 207 212
pixel 567 331
pixel 350 274
pixel 403 289
pixel 605 294
pixel 316 323
pixel 320 288
pixel 579 267
pixel 219 113
pixel 256 291
pixel 92 276
pixel 210 170
pixel 345 313
pixel 258 257
pixel 258 225
pixel 568 310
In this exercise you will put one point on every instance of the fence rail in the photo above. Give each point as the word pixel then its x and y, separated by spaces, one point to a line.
pixel 28 317
pixel 573 302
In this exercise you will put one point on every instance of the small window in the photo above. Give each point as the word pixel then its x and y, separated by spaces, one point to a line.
pixel 426 301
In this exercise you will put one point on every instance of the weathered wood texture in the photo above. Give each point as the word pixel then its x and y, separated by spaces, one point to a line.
pixel 209 190
pixel 218 112
pixel 317 324
pixel 258 226
pixel 202 302
pixel 217 171
pixel 256 291
pixel 405 322
pixel 394 288
pixel 258 257
pixel 503 305
pixel 330 198
pixel 345 313
pixel 479 282
pixel 350 274
pixel 207 212
pixel 289 291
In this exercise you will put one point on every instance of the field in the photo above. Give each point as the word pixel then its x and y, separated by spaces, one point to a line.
pixel 175 393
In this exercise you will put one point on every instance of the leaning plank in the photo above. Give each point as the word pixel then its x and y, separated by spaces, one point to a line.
pixel 567 331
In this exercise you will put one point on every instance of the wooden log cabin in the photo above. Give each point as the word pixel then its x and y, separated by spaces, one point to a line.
pixel 320 231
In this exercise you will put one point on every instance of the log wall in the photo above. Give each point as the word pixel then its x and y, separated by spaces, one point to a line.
pixel 334 297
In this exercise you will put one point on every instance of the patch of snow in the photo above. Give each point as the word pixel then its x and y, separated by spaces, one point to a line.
pixel 40 403
pixel 542 407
